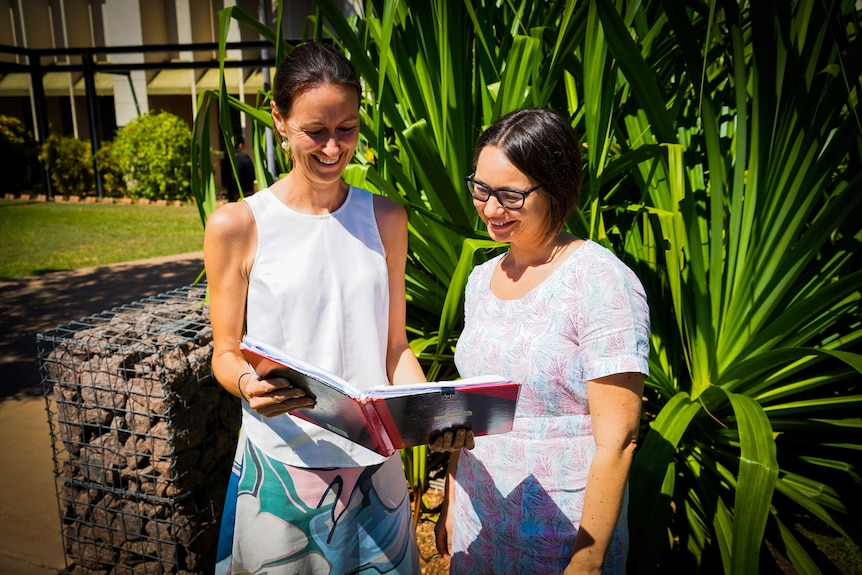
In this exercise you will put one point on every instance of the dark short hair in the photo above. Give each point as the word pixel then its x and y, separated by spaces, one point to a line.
pixel 542 144
pixel 308 65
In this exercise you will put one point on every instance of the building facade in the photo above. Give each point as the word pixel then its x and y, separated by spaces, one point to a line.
pixel 141 55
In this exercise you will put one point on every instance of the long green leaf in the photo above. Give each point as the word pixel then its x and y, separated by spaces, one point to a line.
pixel 758 470
pixel 453 306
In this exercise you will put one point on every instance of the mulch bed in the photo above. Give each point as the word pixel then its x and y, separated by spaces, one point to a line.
pixel 430 561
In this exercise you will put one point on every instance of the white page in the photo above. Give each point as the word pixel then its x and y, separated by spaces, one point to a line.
pixel 257 346
pixel 381 391
pixel 434 386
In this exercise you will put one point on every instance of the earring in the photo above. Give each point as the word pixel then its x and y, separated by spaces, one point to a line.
pixel 284 145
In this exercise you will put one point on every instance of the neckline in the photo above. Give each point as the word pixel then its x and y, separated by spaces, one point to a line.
pixel 535 289
pixel 331 214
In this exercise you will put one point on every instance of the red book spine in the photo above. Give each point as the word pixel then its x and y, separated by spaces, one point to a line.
pixel 387 423
pixel 377 428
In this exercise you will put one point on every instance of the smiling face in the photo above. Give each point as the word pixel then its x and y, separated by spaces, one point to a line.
pixel 527 226
pixel 322 130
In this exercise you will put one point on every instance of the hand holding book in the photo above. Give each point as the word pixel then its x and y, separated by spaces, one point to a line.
pixel 387 418
pixel 453 440
pixel 273 396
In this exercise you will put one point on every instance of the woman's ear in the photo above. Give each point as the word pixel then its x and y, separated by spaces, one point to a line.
pixel 277 118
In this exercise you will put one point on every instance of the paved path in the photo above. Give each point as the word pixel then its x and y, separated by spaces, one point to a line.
pixel 30 542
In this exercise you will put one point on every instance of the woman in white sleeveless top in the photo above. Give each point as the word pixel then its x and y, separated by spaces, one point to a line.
pixel 315 267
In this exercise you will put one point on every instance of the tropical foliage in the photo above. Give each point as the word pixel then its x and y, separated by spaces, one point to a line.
pixel 723 145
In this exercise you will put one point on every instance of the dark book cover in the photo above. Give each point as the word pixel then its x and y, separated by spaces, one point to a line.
pixel 411 420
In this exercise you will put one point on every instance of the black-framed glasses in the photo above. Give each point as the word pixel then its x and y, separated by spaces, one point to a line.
pixel 510 199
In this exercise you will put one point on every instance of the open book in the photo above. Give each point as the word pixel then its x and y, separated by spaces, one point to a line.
pixel 388 418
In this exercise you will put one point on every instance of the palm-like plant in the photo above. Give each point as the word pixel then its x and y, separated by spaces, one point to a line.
pixel 747 236
pixel 436 74
pixel 723 152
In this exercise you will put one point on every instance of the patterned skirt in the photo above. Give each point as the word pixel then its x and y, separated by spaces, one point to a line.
pixel 514 516
pixel 283 520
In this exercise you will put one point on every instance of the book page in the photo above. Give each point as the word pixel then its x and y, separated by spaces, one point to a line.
pixel 382 392
pixel 280 356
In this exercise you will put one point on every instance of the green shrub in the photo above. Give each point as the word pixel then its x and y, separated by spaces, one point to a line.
pixel 70 163
pixel 152 153
pixel 15 141
pixel 113 184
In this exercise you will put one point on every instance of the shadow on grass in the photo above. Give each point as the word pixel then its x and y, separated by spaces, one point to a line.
pixel 16 203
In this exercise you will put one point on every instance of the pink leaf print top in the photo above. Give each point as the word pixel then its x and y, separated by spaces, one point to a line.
pixel 519 496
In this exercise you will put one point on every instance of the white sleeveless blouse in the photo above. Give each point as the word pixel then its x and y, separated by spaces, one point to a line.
pixel 318 289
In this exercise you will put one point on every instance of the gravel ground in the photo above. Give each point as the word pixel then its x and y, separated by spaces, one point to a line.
pixel 431 562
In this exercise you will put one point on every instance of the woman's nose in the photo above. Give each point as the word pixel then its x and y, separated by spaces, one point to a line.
pixel 331 146
pixel 492 206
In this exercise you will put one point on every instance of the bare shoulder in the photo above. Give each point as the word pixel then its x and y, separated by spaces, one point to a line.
pixel 389 212
pixel 392 223
pixel 230 238
pixel 232 220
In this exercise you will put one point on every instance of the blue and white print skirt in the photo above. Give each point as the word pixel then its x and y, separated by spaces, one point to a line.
pixel 283 520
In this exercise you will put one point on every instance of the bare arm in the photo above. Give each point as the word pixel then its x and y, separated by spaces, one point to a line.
pixel 615 407
pixel 445 521
pixel 402 367
pixel 229 243
pixel 401 363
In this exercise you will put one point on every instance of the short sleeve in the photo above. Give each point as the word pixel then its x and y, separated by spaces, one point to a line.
pixel 613 324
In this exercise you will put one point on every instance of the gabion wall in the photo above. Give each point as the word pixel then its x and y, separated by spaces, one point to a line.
pixel 143 436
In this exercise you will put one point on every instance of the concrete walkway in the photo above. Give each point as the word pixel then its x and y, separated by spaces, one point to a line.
pixel 30 540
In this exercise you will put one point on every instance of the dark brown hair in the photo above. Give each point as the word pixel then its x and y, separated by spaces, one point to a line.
pixel 309 65
pixel 542 145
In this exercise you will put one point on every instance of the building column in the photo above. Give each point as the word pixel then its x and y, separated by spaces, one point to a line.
pixel 184 36
pixel 123 28
pixel 233 35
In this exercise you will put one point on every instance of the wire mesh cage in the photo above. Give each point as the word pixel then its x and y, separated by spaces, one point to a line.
pixel 142 436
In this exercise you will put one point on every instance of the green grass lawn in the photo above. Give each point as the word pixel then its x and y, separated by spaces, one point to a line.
pixel 42 237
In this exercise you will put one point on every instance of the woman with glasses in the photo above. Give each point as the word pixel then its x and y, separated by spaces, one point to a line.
pixel 566 318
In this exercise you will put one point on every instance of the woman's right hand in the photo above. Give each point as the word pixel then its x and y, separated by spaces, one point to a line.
pixel 273 396
pixel 453 440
